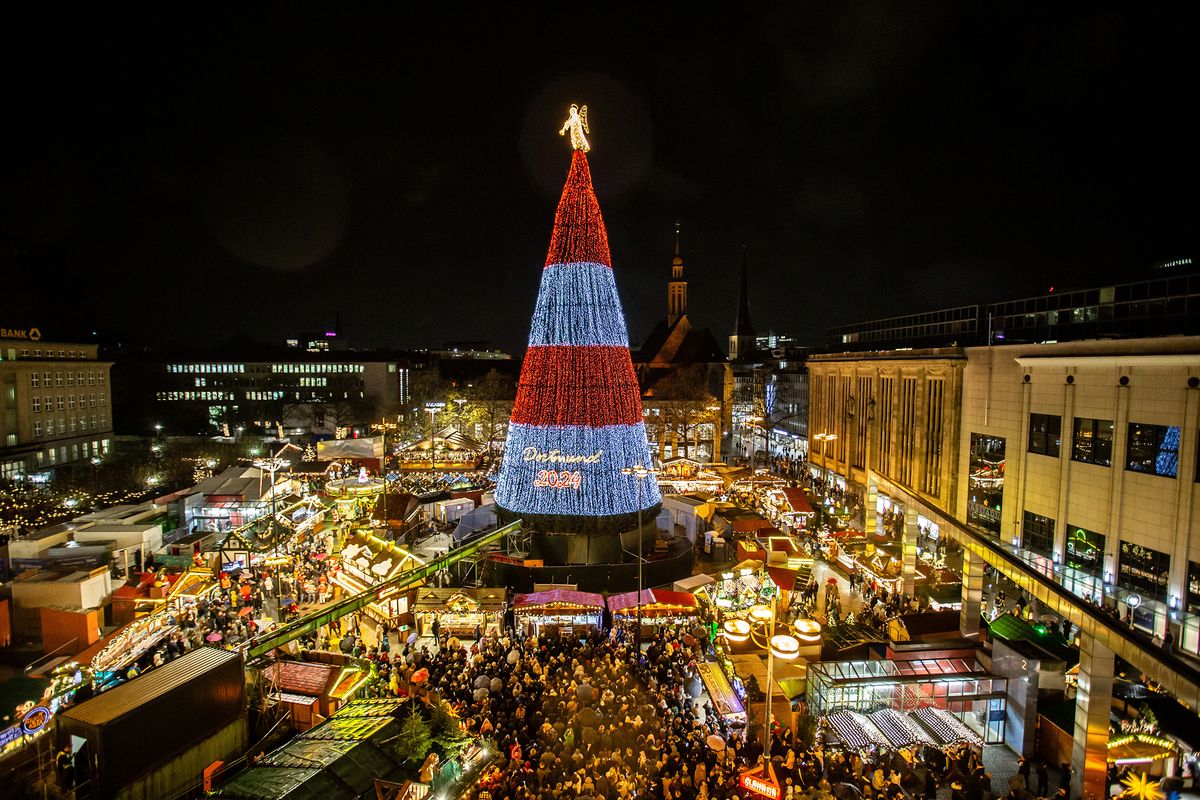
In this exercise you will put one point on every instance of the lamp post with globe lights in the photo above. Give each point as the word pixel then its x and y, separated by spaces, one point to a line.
pixel 759 627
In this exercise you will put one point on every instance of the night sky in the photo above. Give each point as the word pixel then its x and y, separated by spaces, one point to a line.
pixel 255 173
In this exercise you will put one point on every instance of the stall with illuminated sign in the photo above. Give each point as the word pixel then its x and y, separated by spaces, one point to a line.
pixel 659 607
pixel 565 612
pixel 930 692
pixel 460 612
pixel 724 699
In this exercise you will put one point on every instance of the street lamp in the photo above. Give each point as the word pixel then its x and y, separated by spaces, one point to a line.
pixel 824 437
pixel 273 465
pixel 459 401
pixel 639 472
pixel 433 409
pixel 760 628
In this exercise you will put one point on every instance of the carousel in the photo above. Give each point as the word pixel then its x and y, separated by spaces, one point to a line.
pixel 565 612
pixel 447 449
pixel 460 612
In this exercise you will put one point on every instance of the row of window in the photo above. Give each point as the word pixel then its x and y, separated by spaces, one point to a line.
pixel 36 353
pixel 210 396
pixel 68 425
pixel 68 453
pixel 195 396
pixel 70 377
pixel 1152 449
pixel 1140 569
pixel 68 402
pixel 278 368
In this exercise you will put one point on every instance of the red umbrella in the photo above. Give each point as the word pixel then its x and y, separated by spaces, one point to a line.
pixel 245 611
pixel 215 636
pixel 420 676
pixel 832 580
pixel 318 556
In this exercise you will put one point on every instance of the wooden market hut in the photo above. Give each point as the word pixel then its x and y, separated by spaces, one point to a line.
pixel 659 606
pixel 565 611
pixel 459 611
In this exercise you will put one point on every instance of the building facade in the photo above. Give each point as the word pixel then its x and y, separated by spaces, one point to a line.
pixel 55 404
pixel 300 391
pixel 893 412
pixel 1081 456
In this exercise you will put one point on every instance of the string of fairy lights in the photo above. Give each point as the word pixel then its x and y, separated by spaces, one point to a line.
pixel 577 420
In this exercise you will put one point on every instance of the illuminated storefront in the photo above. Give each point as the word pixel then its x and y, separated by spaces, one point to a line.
pixel 961 687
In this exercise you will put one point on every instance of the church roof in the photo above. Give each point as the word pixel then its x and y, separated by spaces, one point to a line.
pixel 669 345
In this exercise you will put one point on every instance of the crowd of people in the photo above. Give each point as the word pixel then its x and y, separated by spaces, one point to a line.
pixel 588 718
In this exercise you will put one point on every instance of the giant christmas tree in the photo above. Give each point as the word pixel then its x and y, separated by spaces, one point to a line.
pixel 577 421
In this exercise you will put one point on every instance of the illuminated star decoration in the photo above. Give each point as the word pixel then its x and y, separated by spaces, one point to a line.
pixel 1140 787
pixel 577 420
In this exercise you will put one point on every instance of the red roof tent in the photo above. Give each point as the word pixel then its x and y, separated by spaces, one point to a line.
pixel 620 602
pixel 797 500
pixel 784 577
pixel 540 599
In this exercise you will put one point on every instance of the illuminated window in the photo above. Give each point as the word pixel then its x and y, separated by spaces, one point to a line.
pixel 1092 441
pixel 1153 449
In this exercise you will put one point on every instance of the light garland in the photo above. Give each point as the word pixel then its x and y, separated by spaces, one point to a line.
pixel 946 726
pixel 602 489
pixel 593 386
pixel 899 730
pixel 577 304
pixel 577 420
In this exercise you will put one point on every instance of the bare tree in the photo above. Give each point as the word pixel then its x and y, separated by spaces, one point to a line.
pixel 684 403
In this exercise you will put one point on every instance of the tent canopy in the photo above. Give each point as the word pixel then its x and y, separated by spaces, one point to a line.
pixel 557 598
pixel 654 600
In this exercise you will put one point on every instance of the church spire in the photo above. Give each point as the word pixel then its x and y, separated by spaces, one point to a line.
pixel 741 343
pixel 677 287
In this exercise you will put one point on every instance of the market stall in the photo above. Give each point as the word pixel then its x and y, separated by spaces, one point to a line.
pixel 565 612
pixel 368 561
pixel 659 607
pixel 723 697
pixel 459 612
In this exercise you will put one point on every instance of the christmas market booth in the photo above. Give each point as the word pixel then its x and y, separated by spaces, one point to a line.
pixel 460 612
pixel 659 607
pixel 368 561
pixel 566 612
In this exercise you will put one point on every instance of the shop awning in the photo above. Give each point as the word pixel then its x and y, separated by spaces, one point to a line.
pixel 693 583
pixel 485 599
pixel 557 598
pixel 783 577
pixel 653 600
pixel 797 500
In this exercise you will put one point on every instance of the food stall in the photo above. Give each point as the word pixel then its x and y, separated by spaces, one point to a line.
pixel 659 607
pixel 724 699
pixel 367 562
pixel 459 612
pixel 563 611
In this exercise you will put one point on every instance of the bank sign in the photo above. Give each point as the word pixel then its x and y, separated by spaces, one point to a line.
pixel 28 334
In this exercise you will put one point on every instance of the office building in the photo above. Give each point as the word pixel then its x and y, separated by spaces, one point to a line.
pixel 55 404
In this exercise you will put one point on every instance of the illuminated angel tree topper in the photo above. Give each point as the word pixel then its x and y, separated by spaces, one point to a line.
pixel 577 421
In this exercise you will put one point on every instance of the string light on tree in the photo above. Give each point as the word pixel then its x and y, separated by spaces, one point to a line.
pixel 577 420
